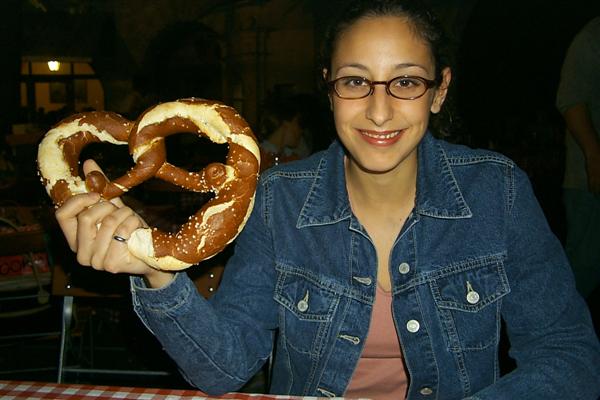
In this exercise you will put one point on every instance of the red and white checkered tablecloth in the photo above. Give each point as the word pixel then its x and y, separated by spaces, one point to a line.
pixel 20 390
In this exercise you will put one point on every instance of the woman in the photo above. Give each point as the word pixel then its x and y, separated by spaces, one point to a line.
pixel 382 267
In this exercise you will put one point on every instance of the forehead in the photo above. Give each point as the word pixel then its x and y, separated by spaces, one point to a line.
pixel 381 42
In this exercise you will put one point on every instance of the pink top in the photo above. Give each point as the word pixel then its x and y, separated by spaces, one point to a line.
pixel 380 372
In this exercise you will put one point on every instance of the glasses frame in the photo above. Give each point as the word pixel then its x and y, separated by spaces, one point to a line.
pixel 427 82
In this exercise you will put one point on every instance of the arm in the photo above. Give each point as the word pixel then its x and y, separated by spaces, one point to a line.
pixel 577 93
pixel 549 327
pixel 580 126
pixel 218 345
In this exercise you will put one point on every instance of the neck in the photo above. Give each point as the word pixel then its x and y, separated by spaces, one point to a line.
pixel 386 192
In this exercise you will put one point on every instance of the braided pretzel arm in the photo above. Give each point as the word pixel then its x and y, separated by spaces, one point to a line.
pixel 58 153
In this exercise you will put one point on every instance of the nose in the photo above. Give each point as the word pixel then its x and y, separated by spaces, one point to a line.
pixel 379 108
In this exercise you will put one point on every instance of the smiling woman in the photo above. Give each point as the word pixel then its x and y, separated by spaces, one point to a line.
pixel 436 246
pixel 382 49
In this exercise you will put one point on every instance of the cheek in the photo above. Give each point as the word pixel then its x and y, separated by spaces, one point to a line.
pixel 346 113
pixel 417 113
pixel 343 112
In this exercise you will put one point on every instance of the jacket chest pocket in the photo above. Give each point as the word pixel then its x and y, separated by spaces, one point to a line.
pixel 306 312
pixel 468 303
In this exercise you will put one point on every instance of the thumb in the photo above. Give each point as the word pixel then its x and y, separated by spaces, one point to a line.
pixel 90 166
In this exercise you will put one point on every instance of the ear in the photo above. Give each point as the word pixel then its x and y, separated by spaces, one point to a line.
pixel 442 91
pixel 325 73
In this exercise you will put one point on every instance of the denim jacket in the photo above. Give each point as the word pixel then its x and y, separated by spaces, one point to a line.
pixel 475 251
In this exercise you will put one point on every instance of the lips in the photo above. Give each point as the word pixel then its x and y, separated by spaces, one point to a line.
pixel 381 138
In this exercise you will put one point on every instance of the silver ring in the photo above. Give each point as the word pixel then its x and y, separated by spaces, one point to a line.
pixel 120 239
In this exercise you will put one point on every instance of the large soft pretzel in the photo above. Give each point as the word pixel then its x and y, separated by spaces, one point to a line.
pixel 207 232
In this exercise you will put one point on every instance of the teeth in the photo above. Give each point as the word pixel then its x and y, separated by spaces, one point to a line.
pixel 376 136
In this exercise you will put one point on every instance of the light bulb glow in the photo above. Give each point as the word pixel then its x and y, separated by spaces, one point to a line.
pixel 53 66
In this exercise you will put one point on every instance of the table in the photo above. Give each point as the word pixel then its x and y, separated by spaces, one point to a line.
pixel 20 390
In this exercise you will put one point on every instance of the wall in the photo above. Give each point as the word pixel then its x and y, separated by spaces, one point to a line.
pixel 264 46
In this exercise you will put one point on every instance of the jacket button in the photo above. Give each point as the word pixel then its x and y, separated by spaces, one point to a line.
pixel 302 305
pixel 426 391
pixel 404 268
pixel 413 326
pixel 472 297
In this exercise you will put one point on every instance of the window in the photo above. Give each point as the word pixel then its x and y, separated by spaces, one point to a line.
pixel 49 85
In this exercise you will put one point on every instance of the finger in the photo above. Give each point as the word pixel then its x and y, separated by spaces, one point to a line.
pixel 118 258
pixel 91 166
pixel 88 224
pixel 129 224
pixel 118 202
pixel 106 233
pixel 66 215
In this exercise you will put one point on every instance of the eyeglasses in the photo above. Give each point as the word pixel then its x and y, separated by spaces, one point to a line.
pixel 401 87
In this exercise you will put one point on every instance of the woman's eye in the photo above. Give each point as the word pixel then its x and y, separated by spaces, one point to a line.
pixel 354 81
pixel 407 83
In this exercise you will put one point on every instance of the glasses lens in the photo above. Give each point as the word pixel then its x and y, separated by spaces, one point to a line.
pixel 407 87
pixel 352 87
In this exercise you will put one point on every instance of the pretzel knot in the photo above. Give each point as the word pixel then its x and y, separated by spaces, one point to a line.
pixel 207 232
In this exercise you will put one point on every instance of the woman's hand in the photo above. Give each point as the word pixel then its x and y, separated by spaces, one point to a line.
pixel 90 225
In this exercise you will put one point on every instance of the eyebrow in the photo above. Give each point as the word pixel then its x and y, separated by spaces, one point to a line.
pixel 396 67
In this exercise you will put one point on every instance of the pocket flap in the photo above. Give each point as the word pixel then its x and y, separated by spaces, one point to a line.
pixel 472 287
pixel 304 297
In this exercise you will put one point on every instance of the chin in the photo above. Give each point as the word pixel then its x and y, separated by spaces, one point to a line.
pixel 373 166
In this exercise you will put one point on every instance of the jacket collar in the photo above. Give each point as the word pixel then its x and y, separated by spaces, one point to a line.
pixel 438 193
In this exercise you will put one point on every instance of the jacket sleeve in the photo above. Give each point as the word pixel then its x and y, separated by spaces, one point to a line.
pixel 221 343
pixel 549 327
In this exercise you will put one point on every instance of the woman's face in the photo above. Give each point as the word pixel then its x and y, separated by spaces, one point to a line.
pixel 380 132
